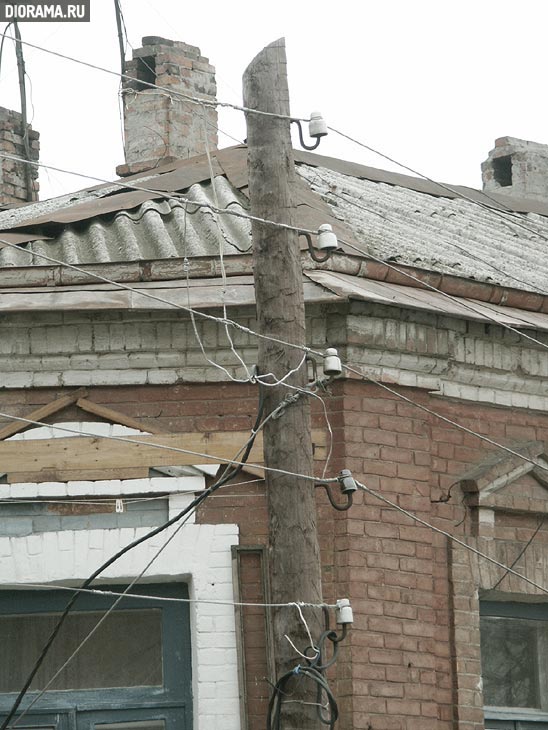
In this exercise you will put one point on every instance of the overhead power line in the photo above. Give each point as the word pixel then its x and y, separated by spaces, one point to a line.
pixel 232 470
pixel 308 350
pixel 451 537
pixel 176 94
pixel 163 599
pixel 163 447
pixel 186 202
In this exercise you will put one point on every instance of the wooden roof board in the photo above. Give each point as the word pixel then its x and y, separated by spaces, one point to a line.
pixel 203 294
pixel 353 287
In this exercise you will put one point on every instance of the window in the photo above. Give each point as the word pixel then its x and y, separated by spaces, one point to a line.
pixel 132 674
pixel 514 659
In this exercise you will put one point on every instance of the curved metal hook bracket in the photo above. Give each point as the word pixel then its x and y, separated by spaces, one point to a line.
pixel 312 251
pixel 301 138
pixel 338 507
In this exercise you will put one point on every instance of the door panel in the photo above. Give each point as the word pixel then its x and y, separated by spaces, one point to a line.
pixel 53 721
pixel 171 718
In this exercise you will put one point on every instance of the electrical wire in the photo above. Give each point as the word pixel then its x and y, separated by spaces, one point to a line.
pixel 307 350
pixel 313 669
pixel 176 94
pixel 164 599
pixel 196 312
pixel 221 257
pixel 4 36
pixel 203 102
pixel 131 440
pixel 119 24
pixel 445 419
pixel 129 498
pixel 303 348
pixel 521 553
pixel 507 215
pixel 359 206
pixel 450 297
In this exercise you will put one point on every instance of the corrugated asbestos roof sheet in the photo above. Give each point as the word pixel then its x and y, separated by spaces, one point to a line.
pixel 156 229
pixel 452 236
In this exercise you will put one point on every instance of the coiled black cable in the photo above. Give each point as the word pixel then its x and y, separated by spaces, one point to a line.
pixel 314 670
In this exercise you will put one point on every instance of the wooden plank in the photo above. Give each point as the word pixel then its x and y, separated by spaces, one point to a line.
pixel 40 413
pixel 114 416
pixel 56 475
pixel 81 454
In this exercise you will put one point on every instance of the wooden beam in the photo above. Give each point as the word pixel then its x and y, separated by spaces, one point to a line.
pixel 114 416
pixel 59 475
pixel 81 454
pixel 40 413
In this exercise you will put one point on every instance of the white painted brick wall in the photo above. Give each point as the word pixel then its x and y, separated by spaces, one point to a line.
pixel 462 359
pixel 198 554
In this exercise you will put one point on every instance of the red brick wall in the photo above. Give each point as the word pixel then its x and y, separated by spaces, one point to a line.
pixel 402 642
pixel 396 670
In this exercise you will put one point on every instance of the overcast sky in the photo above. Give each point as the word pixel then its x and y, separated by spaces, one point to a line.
pixel 431 83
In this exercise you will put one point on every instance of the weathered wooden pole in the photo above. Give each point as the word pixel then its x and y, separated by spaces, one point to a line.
pixel 294 557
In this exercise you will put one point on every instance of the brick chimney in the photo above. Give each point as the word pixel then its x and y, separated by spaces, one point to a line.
pixel 18 181
pixel 517 167
pixel 160 127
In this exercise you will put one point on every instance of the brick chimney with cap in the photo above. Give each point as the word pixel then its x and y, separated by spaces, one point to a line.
pixel 18 181
pixel 159 125
pixel 518 168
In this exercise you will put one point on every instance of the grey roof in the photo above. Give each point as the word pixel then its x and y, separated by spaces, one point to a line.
pixel 452 236
pixel 396 218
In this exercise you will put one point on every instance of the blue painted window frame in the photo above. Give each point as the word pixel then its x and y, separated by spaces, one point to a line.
pixel 82 709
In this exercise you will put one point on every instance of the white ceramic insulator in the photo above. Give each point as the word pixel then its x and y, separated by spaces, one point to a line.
pixel 344 611
pixel 317 126
pixel 332 362
pixel 326 238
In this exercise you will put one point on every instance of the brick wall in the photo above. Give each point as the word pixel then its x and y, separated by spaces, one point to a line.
pixel 412 633
pixel 403 666
pixel 13 182
pixel 131 348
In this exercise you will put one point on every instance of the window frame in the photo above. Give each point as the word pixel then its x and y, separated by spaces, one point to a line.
pixel 515 718
pixel 175 696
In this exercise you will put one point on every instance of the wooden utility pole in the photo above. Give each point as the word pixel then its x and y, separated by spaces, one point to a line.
pixel 294 557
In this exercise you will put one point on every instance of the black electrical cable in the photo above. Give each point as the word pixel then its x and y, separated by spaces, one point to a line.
pixel 315 671
pixel 24 121
pixel 228 474
pixel 119 26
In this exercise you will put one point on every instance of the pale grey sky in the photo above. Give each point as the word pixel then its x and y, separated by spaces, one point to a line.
pixel 431 83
